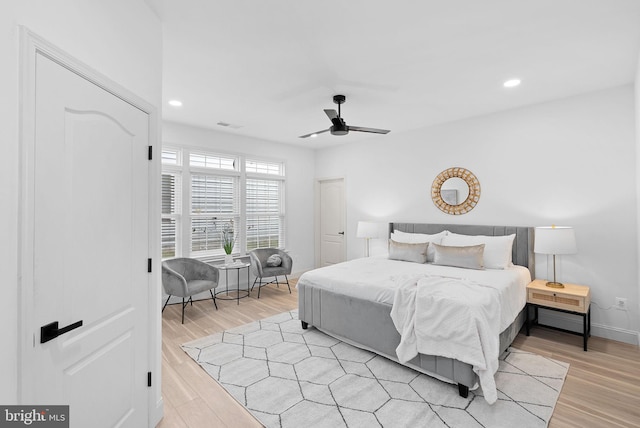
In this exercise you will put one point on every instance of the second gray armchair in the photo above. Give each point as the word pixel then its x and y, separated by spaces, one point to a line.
pixel 263 267
pixel 184 278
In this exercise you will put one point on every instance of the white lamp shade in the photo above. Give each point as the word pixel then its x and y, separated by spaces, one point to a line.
pixel 555 240
pixel 368 229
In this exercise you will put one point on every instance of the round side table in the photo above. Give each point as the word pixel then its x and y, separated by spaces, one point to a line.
pixel 237 266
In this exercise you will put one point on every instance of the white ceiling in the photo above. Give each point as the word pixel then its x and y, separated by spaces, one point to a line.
pixel 271 67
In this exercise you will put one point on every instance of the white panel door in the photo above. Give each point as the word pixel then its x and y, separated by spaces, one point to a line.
pixel 332 219
pixel 90 250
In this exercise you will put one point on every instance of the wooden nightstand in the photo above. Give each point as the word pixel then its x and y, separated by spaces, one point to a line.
pixel 572 299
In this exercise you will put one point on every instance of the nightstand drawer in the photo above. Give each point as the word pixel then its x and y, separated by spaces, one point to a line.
pixel 557 300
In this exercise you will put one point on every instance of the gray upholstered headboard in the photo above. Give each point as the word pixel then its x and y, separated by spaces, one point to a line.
pixel 522 244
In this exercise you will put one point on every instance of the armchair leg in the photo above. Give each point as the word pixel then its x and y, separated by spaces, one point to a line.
pixel 287 279
pixel 277 283
pixel 183 305
pixel 214 299
pixel 165 303
pixel 259 287
pixel 254 283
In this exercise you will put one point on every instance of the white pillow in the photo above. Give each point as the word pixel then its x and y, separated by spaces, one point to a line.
pixel 419 238
pixel 274 260
pixel 497 249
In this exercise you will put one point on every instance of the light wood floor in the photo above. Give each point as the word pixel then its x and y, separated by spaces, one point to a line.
pixel 602 387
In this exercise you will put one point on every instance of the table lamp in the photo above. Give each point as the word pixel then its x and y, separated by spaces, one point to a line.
pixel 368 230
pixel 555 240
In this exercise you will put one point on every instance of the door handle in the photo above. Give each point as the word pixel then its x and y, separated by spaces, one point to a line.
pixel 51 331
pixel 340 233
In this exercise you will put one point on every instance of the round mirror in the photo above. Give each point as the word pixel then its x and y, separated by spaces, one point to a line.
pixel 455 191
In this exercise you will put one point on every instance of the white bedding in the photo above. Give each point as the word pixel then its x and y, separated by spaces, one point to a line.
pixel 452 318
pixel 377 278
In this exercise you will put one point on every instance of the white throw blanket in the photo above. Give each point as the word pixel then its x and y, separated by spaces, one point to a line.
pixel 453 318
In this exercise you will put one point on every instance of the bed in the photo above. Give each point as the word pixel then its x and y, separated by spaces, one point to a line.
pixel 356 309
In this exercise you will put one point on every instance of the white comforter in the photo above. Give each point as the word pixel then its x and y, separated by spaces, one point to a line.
pixel 377 278
pixel 453 318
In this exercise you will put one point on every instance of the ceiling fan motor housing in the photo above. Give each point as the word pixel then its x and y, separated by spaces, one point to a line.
pixel 339 130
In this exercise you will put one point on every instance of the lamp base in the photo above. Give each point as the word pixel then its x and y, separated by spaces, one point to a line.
pixel 554 284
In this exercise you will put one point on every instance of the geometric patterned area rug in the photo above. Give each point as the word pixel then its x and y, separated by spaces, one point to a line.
pixel 290 377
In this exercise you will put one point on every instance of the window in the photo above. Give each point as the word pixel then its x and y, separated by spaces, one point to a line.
pixel 258 167
pixel 214 201
pixel 170 157
pixel 171 202
pixel 203 160
pixel 169 214
pixel 221 191
pixel 264 204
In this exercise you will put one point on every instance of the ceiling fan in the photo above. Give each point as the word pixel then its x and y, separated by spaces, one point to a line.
pixel 339 126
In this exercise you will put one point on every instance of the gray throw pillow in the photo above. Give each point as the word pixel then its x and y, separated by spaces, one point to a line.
pixel 274 260
pixel 471 257
pixel 416 253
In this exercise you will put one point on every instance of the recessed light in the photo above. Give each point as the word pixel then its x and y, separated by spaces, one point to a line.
pixel 511 83
pixel 175 103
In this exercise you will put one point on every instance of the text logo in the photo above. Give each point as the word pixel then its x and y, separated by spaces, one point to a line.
pixel 34 416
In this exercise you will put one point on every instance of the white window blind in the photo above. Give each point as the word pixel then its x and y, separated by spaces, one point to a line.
pixel 214 204
pixel 264 214
pixel 171 207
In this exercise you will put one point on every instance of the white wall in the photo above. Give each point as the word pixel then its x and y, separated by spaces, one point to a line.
pixel 567 162
pixel 299 164
pixel 121 39
pixel 637 112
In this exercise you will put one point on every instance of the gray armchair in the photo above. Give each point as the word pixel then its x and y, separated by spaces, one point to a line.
pixel 184 277
pixel 260 270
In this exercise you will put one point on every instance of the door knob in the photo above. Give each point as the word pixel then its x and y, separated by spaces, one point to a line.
pixel 340 233
pixel 51 331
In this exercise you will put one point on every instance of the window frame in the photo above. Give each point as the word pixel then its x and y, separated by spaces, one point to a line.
pixel 185 218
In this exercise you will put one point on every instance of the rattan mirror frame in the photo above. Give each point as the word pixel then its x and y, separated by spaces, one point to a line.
pixel 469 203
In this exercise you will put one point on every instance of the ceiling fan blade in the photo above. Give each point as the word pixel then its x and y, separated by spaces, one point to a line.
pixel 371 130
pixel 314 133
pixel 335 118
pixel 331 113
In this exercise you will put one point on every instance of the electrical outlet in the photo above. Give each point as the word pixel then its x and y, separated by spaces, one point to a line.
pixel 621 303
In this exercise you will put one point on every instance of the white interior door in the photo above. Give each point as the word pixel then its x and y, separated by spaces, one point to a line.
pixel 332 221
pixel 89 210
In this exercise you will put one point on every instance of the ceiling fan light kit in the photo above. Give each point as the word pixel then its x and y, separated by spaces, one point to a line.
pixel 339 126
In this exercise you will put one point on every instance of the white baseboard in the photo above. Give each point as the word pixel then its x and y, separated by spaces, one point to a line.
pixel 574 323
